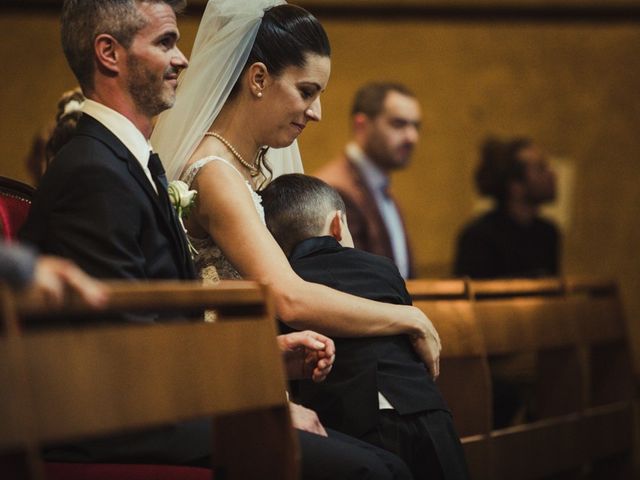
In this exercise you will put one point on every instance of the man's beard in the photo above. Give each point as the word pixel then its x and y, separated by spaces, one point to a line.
pixel 147 89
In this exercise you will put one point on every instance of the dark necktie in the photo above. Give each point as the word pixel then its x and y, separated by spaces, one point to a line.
pixel 159 176
pixel 160 179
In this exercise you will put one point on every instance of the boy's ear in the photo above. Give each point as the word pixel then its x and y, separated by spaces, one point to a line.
pixel 335 227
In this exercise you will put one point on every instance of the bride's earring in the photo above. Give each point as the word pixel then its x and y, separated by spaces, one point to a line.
pixel 259 94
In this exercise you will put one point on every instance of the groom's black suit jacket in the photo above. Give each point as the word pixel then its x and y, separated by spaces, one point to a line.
pixel 348 399
pixel 97 207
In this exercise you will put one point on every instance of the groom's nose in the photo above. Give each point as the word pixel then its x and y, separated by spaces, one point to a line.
pixel 179 61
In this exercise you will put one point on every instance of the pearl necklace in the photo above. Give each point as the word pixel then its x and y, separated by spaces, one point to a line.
pixel 253 170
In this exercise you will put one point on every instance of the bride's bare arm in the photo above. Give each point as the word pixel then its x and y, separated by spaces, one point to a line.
pixel 225 209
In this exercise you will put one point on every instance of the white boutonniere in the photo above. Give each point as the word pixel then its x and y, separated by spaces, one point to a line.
pixel 182 200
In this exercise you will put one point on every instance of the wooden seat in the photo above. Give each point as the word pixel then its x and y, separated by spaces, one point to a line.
pixel 464 375
pixel 66 384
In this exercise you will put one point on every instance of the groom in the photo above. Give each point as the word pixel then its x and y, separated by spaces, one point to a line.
pixel 103 203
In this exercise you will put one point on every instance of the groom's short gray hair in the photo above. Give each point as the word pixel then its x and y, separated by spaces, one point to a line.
pixel 83 20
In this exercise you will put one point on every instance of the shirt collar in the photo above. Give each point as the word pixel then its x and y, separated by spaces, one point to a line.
pixel 121 127
pixel 314 245
pixel 373 176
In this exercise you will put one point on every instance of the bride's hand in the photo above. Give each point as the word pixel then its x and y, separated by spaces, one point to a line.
pixel 427 344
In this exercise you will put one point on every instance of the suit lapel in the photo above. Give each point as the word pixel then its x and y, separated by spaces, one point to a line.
pixel 91 127
pixel 169 217
pixel 406 237
pixel 369 205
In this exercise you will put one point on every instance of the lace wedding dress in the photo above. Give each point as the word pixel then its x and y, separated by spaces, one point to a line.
pixel 210 262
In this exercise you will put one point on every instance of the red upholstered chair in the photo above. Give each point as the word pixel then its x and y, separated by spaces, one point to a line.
pixel 15 201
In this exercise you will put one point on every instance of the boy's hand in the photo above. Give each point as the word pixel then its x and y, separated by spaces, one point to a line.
pixel 307 354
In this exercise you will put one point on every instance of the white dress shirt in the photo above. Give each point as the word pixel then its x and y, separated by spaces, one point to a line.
pixel 125 130
pixel 378 184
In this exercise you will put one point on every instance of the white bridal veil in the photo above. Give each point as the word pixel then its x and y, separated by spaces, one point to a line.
pixel 224 40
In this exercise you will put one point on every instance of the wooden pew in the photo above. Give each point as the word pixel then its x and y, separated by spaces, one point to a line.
pixel 531 331
pixel 464 375
pixel 584 391
pixel 66 384
pixel 583 378
pixel 610 392
pixel 529 325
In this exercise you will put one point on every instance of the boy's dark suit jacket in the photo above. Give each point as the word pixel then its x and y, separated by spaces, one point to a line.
pixel 96 206
pixel 348 399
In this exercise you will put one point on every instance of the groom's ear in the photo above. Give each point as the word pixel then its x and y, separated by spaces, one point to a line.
pixel 108 52
pixel 258 77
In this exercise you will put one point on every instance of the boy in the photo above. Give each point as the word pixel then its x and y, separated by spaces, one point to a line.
pixel 379 390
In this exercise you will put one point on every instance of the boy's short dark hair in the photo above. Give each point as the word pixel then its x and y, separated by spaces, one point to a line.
pixel 296 207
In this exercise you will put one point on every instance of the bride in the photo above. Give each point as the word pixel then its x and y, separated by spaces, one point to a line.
pixel 238 96
pixel 256 73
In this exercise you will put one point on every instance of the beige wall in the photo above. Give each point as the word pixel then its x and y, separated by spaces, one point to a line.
pixel 571 86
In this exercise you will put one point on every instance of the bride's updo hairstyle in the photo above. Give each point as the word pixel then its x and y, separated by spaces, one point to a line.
pixel 287 34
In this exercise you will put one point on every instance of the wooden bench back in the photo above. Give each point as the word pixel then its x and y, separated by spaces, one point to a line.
pixel 572 334
pixel 464 374
pixel 98 380
pixel 609 375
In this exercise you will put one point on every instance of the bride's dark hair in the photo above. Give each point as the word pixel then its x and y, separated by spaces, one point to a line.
pixel 287 34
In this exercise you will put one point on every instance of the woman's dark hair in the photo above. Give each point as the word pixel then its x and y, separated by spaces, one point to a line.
pixel 500 164
pixel 287 34
pixel 67 118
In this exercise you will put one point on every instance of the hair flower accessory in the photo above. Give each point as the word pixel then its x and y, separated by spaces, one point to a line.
pixel 182 200
pixel 72 106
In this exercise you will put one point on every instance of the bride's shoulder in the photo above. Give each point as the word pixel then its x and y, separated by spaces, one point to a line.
pixel 213 163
